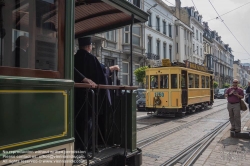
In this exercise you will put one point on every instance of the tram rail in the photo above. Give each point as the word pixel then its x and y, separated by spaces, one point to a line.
pixel 197 147
pixel 145 142
pixel 166 121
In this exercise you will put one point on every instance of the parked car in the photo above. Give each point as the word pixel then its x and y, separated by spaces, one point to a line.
pixel 221 93
pixel 139 93
pixel 141 103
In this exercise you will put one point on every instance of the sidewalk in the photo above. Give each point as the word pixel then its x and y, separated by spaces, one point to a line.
pixel 228 148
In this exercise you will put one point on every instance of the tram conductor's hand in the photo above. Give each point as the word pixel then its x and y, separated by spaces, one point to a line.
pixel 116 67
pixel 89 81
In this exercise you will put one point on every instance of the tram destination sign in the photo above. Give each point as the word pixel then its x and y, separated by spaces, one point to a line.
pixel 196 66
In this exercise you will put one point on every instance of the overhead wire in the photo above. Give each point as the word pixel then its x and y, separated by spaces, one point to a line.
pixel 228 27
pixel 230 11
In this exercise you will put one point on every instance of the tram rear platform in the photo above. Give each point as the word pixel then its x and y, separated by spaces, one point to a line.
pixel 229 148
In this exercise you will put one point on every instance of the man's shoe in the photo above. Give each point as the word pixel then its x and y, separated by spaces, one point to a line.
pixel 232 129
pixel 237 131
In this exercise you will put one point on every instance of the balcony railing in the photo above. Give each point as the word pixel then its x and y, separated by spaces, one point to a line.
pixel 152 56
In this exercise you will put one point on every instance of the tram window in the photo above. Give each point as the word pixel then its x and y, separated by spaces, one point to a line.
pixel 191 80
pixel 203 84
pixel 197 81
pixel 31 39
pixel 147 82
pixel 164 81
pixel 183 81
pixel 174 81
pixel 154 81
pixel 207 82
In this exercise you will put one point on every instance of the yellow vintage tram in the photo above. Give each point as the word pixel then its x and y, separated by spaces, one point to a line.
pixel 177 88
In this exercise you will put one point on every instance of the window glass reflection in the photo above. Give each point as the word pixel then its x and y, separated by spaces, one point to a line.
pixel 31 34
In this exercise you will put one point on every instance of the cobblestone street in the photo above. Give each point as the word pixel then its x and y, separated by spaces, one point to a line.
pixel 196 126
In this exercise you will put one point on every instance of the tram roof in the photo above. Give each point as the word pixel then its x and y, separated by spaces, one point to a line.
pixel 95 16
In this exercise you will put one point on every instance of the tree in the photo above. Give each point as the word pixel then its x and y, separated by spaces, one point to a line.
pixel 226 85
pixel 215 84
pixel 140 74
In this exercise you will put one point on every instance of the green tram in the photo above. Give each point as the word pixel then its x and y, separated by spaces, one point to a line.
pixel 37 88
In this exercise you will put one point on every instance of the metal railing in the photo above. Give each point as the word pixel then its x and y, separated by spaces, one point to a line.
pixel 106 125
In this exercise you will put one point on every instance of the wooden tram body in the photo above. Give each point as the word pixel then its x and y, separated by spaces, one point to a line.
pixel 178 89
pixel 37 100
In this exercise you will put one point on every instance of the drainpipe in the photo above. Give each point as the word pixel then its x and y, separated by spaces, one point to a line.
pixel 131 51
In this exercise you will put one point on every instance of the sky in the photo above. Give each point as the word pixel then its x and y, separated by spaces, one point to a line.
pixel 238 21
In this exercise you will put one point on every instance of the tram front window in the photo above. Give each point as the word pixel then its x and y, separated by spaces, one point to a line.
pixel 174 82
pixel 164 82
pixel 31 34
pixel 154 81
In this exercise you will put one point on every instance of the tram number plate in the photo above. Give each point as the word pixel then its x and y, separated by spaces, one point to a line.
pixel 160 94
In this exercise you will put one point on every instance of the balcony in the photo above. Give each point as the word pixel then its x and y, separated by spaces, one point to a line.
pixel 137 50
pixel 152 56
pixel 216 73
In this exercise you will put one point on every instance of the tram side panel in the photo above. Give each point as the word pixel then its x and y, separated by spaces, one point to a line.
pixel 35 114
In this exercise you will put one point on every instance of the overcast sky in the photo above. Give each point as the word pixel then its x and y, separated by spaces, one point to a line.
pixel 238 21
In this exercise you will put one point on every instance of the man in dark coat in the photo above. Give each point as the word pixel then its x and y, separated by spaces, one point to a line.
pixel 88 66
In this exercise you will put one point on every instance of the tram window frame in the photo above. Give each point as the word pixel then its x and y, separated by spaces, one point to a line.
pixel 197 81
pixel 207 81
pixel 176 82
pixel 147 83
pixel 203 82
pixel 40 73
pixel 162 87
pixel 193 82
pixel 157 83
pixel 181 81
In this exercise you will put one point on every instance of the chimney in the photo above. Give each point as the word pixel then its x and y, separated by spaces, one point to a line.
pixel 177 8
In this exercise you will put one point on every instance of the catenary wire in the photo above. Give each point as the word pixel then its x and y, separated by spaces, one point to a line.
pixel 228 27
pixel 230 11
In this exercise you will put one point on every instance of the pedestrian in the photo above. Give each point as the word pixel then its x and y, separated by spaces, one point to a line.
pixel 248 94
pixel 234 96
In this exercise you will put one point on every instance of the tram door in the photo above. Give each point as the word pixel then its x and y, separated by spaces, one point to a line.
pixel 211 89
pixel 184 89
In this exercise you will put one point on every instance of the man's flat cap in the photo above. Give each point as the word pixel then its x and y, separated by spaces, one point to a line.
pixel 84 41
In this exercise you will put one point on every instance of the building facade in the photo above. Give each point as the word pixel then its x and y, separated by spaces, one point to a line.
pixel 188 32
pixel 222 61
pixel 207 47
pixel 241 73
pixel 197 43
pixel 158 32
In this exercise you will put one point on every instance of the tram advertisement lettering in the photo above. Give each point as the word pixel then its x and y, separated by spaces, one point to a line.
pixel 159 94
pixel 192 65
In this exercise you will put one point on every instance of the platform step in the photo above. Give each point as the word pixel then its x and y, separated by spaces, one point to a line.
pixel 243 135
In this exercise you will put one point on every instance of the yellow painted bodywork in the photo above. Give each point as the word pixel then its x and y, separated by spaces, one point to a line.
pixel 173 96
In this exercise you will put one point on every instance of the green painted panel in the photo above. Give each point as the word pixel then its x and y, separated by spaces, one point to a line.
pixel 29 116
pixel 132 121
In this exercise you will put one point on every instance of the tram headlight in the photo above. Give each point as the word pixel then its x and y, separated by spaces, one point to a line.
pixel 157 101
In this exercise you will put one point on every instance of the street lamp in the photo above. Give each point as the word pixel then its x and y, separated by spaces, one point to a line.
pixel 152 7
